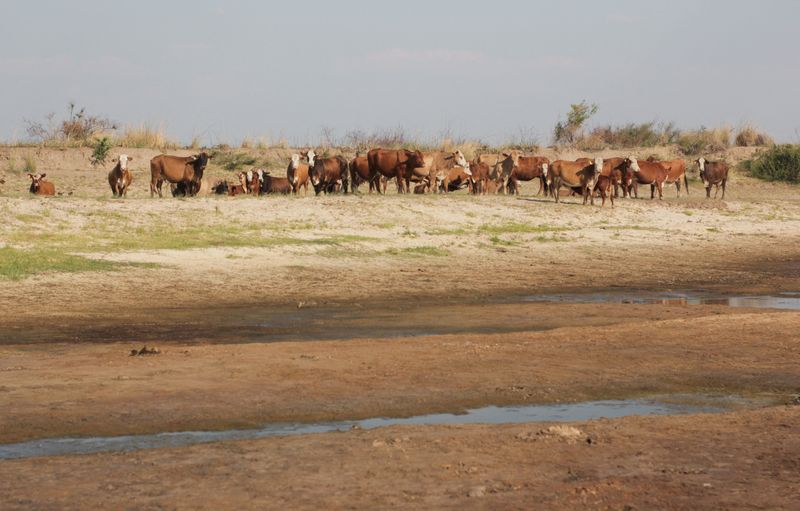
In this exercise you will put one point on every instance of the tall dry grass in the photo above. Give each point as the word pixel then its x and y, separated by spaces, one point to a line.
pixel 750 136
pixel 145 136
pixel 695 142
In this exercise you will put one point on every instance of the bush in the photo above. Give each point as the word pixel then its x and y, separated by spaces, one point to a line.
pixel 79 127
pixel 232 161
pixel 646 134
pixel 693 143
pixel 570 130
pixel 749 136
pixel 780 163
pixel 100 153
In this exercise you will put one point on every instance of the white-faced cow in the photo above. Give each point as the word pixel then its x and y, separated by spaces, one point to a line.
pixel 648 173
pixel 713 173
pixel 297 174
pixel 120 177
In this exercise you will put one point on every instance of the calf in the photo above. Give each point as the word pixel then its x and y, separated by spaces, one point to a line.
pixel 479 180
pixel 454 179
pixel 220 187
pixel 255 182
pixel 120 177
pixel 713 173
pixel 274 185
pixel 676 170
pixel 603 186
pixel 648 173
pixel 41 187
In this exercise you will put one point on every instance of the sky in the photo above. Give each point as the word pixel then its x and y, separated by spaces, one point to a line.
pixel 494 70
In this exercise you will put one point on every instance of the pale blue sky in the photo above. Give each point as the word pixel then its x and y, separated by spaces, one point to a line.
pixel 490 69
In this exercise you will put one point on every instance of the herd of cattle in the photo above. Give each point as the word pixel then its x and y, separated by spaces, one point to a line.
pixel 441 172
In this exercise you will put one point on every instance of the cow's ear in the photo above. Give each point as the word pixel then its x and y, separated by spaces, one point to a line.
pixel 130 158
pixel 42 176
pixel 505 154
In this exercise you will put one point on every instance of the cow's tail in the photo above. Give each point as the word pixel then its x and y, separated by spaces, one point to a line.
pixel 686 183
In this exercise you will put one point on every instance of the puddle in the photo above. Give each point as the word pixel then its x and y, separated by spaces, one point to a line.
pixel 786 301
pixel 671 405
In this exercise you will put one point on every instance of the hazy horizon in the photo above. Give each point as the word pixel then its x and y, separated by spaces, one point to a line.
pixel 223 71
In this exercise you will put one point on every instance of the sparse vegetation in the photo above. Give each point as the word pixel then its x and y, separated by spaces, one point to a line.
pixel 567 132
pixel 779 163
pixel 232 160
pixel 692 143
pixel 100 152
pixel 518 228
pixel 750 136
pixel 647 134
pixel 145 136
pixel 418 251
pixel 29 164
pixel 78 128
pixel 16 264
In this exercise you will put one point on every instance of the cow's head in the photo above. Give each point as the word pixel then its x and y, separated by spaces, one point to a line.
pixel 315 172
pixel 311 156
pixel 123 161
pixel 415 159
pixel 295 161
pixel 632 164
pixel 546 172
pixel 598 165
pixel 458 159
pixel 513 157
pixel 36 181
pixel 242 179
pixel 701 164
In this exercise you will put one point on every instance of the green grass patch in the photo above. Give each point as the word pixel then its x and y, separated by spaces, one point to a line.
pixel 498 241
pixel 418 251
pixel 515 227
pixel 16 264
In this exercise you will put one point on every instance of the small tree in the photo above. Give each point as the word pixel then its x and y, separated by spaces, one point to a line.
pixel 568 131
pixel 100 153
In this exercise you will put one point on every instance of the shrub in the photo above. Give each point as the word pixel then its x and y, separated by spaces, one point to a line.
pixel 231 160
pixel 779 163
pixel 100 152
pixel 29 165
pixel 568 131
pixel 749 136
pixel 704 140
pixel 646 134
pixel 78 127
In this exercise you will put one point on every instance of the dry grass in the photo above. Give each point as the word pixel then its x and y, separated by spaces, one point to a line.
pixel 145 136
pixel 749 136
pixel 705 140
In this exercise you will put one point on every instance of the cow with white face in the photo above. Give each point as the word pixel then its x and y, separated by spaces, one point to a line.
pixel 120 177
pixel 648 173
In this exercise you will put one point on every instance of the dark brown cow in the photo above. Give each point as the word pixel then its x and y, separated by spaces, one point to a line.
pixel 580 174
pixel 676 170
pixel 120 177
pixel 359 173
pixel 398 164
pixel 176 169
pixel 713 173
pixel 39 186
pixel 220 187
pixel 648 173
pixel 274 185
pixel 256 182
pixel 328 174
pixel 529 168
pixel 479 180
pixel 297 174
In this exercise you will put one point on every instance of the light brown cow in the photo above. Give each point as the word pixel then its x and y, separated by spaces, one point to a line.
pixel 176 169
pixel 580 174
pixel 528 168
pixel 438 165
pixel 713 173
pixel 676 171
pixel 120 177
pixel 297 174
pixel 648 173
pixel 39 186
pixel 455 178
pixel 398 164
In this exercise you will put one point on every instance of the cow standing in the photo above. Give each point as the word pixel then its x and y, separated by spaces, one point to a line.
pixel 359 173
pixel 120 177
pixel 713 173
pixel 398 164
pixel 676 170
pixel 648 173
pixel 328 174
pixel 528 168
pixel 177 169
pixel 581 174
pixel 297 174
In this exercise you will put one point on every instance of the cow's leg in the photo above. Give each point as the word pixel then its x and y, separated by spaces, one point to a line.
pixel 652 190
pixel 716 190
pixel 159 184
pixel 678 187
pixel 556 188
pixel 724 182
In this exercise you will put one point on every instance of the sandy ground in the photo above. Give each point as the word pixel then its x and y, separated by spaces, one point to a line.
pixel 281 314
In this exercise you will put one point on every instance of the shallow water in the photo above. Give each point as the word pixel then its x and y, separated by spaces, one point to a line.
pixel 487 415
pixel 786 301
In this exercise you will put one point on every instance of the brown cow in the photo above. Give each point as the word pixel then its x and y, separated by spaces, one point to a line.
pixel 648 173
pixel 528 168
pixel 177 169
pixel 120 177
pixel 359 173
pixel 328 174
pixel 479 180
pixel 580 174
pixel 438 165
pixel 676 170
pixel 234 190
pixel 713 173
pixel 456 178
pixel 603 186
pixel 257 181
pixel 39 186
pixel 274 185
pixel 398 164
pixel 297 174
